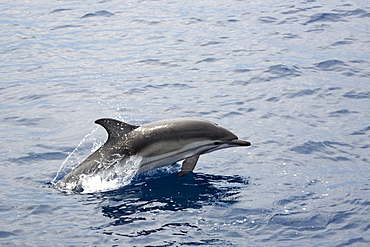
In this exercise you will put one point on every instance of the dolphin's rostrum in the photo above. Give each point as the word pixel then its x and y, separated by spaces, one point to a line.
pixel 157 144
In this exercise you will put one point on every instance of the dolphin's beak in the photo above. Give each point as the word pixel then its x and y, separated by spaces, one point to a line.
pixel 238 142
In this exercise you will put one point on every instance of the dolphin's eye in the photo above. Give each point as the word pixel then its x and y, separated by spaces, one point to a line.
pixel 217 143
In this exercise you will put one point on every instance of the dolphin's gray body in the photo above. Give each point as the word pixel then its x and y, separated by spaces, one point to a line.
pixel 157 144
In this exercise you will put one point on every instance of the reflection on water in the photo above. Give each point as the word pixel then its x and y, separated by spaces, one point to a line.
pixel 168 193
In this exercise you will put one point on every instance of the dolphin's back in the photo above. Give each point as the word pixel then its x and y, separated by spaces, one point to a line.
pixel 187 128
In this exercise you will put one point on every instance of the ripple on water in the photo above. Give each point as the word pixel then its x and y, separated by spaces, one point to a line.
pixel 361 131
pixel 101 13
pixel 357 95
pixel 332 65
pixel 301 221
pixel 327 147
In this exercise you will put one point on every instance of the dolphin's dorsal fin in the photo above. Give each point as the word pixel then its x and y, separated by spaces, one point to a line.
pixel 115 128
pixel 188 165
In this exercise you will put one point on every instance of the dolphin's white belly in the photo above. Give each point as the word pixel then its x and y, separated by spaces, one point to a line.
pixel 156 161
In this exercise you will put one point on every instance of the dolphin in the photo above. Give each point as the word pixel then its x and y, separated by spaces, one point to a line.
pixel 157 144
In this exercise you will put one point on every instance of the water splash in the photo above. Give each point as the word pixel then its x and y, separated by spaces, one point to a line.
pixel 119 173
pixel 89 143
pixel 117 176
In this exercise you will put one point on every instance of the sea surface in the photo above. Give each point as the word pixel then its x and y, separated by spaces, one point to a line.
pixel 291 77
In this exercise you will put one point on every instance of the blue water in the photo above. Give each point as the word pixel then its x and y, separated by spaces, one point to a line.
pixel 291 77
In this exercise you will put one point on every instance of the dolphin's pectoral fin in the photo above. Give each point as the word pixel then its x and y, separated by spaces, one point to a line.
pixel 115 128
pixel 188 165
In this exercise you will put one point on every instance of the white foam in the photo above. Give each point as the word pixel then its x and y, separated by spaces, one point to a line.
pixel 118 176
